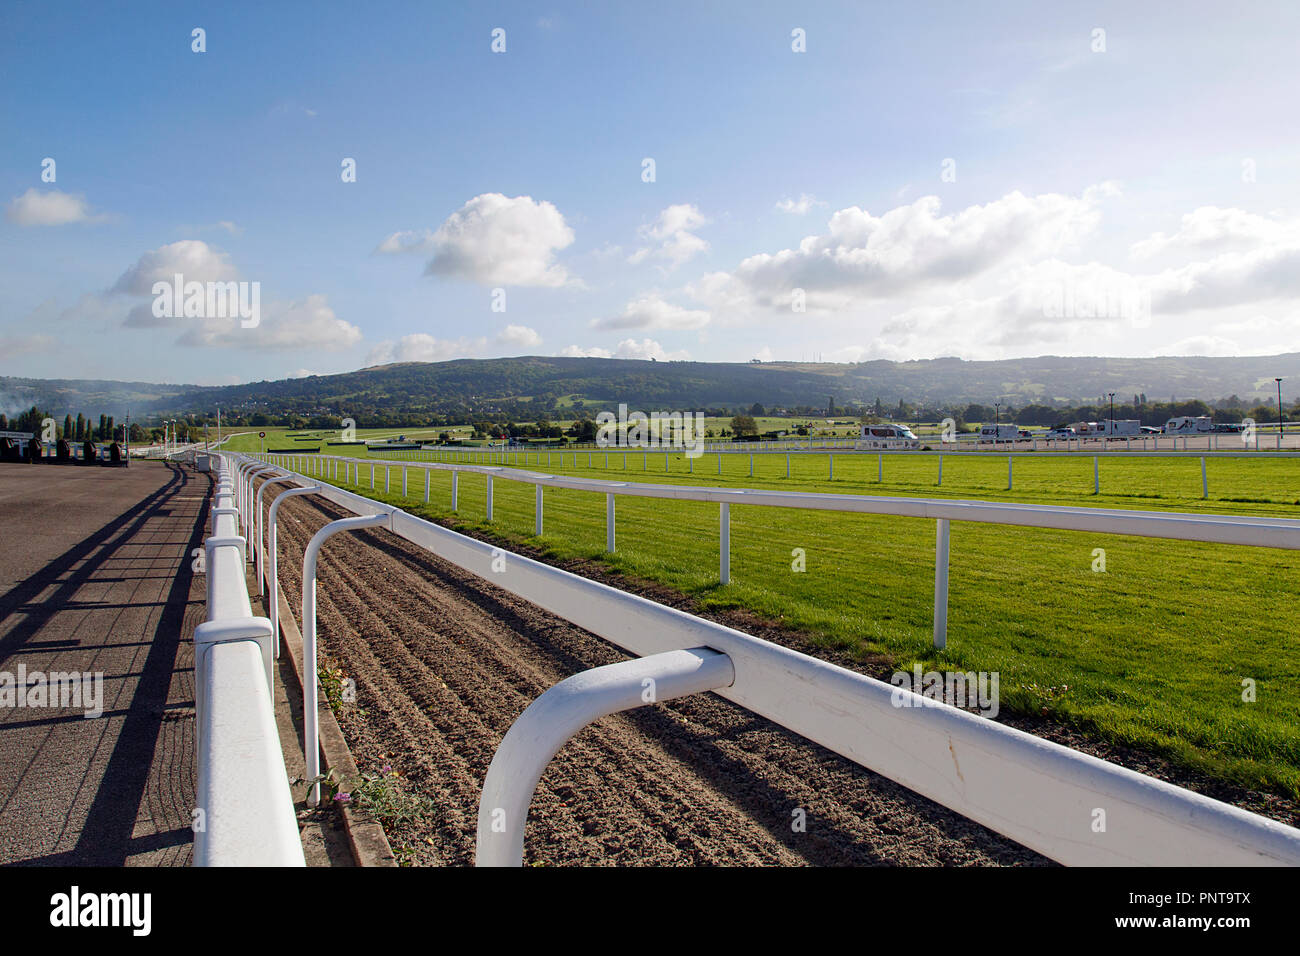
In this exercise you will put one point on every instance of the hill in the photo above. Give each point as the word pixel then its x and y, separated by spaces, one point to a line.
pixel 466 389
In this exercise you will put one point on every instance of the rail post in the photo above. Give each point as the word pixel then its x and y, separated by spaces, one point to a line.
pixel 310 718
pixel 257 527
pixel 940 468
pixel 941 584
pixel 455 485
pixel 1205 481
pixel 1096 475
pixel 1008 472
pixel 609 522
pixel 273 598
pixel 724 542
pixel 562 711
pixel 538 513
pixel 427 473
pixel 489 497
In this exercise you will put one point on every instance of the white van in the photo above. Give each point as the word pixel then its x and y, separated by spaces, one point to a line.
pixel 1189 425
pixel 886 436
pixel 995 433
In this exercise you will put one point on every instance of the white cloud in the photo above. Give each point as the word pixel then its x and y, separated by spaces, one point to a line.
pixel 495 240
pixel 519 336
pixel 1215 229
pixel 862 257
pixel 423 347
pixel 652 312
pixel 577 351
pixel 646 349
pixel 799 207
pixel 306 324
pixel 12 346
pixel 672 237
pixel 53 208
pixel 409 240
pixel 194 259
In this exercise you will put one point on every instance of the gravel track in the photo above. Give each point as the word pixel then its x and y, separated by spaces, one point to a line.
pixel 444 662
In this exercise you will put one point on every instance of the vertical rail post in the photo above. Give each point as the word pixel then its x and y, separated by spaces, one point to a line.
pixel 489 497
pixel 1096 475
pixel 427 473
pixel 1205 482
pixel 609 522
pixel 455 476
pixel 1009 459
pixel 724 542
pixel 940 468
pixel 941 584
pixel 538 513
pixel 311 729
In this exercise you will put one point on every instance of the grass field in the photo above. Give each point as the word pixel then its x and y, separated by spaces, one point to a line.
pixel 1152 652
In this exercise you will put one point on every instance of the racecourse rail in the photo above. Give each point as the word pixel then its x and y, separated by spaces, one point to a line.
pixel 1038 793
pixel 246 810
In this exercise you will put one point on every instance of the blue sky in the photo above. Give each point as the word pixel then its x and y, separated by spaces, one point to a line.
pixel 922 180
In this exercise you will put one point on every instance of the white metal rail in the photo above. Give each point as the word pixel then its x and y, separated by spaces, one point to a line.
pixel 1038 793
pixel 245 814
pixel 1221 529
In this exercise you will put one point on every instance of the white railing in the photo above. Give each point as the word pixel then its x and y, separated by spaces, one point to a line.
pixel 1221 529
pixel 245 814
pixel 1038 793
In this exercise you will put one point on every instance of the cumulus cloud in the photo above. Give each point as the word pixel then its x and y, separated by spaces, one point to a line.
pixel 671 236
pixel 53 208
pixel 652 312
pixel 495 240
pixel 519 336
pixel 646 349
pixel 577 351
pixel 193 259
pixel 1211 229
pixel 309 323
pixel 862 257
pixel 34 343
pixel 799 207
pixel 423 347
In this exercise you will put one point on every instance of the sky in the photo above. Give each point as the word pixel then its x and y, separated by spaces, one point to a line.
pixel 719 181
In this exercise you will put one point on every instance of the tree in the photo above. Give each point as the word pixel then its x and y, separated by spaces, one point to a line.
pixel 67 427
pixel 757 410
pixel 743 426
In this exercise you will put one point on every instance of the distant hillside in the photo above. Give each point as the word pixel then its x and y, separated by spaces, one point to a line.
pixel 518 387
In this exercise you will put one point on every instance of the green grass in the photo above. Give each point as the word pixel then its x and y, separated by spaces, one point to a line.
pixel 1151 653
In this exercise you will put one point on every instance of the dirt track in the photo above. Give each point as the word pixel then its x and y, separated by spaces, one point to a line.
pixel 445 662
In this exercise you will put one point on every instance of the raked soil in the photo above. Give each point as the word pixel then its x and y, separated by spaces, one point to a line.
pixel 444 662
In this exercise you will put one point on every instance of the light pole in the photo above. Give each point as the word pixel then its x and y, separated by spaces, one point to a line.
pixel 997 422
pixel 1281 429
pixel 1110 425
pixel 218 424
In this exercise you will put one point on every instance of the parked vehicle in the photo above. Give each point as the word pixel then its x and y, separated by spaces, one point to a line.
pixel 1064 433
pixel 997 433
pixel 886 436
pixel 1229 428
pixel 1121 428
pixel 1150 430
pixel 1189 425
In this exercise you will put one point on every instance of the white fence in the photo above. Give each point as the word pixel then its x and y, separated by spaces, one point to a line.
pixel 245 814
pixel 1221 529
pixel 1040 794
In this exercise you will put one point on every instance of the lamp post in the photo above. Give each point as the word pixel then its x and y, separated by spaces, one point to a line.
pixel 1110 425
pixel 997 422
pixel 1281 429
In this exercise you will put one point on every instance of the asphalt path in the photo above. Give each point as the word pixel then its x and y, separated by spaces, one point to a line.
pixel 95 580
